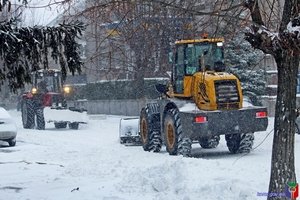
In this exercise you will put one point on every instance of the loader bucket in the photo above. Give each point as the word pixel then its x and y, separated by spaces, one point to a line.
pixel 129 131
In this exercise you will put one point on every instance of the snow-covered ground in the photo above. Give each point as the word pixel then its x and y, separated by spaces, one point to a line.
pixel 90 164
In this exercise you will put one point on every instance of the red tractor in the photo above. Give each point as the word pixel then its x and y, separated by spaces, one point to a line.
pixel 45 102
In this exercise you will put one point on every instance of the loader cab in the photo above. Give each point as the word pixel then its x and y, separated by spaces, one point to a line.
pixel 193 56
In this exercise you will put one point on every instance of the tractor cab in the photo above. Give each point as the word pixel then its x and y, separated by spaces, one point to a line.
pixel 44 81
pixel 48 81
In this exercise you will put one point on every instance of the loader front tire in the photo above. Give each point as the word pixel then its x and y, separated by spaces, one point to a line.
pixel 239 143
pixel 175 142
pixel 150 128
pixel 27 114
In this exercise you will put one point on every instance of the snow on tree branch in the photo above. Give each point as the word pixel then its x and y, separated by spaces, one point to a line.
pixel 263 39
pixel 25 49
pixel 273 43
pixel 292 34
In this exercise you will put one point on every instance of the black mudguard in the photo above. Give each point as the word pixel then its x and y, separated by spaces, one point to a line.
pixel 224 122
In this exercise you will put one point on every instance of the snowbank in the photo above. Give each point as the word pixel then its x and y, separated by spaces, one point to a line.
pixel 91 164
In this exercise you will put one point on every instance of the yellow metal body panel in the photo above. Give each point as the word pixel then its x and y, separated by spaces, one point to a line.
pixel 207 98
pixel 187 87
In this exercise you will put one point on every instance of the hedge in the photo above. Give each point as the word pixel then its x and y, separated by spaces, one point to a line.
pixel 114 90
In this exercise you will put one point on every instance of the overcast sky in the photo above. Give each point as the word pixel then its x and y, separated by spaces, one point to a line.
pixel 38 13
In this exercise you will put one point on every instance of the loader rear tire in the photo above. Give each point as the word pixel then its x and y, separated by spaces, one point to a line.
pixel 40 120
pixel 28 114
pixel 175 142
pixel 209 143
pixel 239 143
pixel 150 128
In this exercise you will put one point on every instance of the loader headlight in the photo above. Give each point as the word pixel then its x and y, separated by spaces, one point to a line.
pixel 219 44
pixel 33 90
pixel 67 89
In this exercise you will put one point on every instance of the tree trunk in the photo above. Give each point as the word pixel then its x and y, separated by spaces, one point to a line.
pixel 282 167
pixel 139 75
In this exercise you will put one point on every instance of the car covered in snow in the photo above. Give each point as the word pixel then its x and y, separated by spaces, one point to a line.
pixel 8 128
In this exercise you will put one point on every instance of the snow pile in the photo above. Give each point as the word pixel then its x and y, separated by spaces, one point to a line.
pixel 247 103
pixel 161 178
pixel 184 179
pixel 53 115
pixel 192 107
pixel 189 107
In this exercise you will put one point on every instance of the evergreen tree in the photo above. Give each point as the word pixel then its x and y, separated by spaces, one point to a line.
pixel 26 49
pixel 243 61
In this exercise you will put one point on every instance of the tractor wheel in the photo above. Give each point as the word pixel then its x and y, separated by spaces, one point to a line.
pixel 60 124
pixel 27 114
pixel 12 142
pixel 150 128
pixel 74 125
pixel 209 143
pixel 240 143
pixel 175 142
pixel 40 120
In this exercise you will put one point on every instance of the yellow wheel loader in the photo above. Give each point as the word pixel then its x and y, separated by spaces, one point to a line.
pixel 201 103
